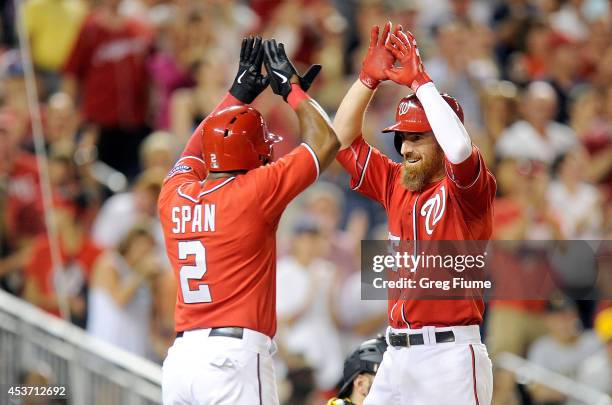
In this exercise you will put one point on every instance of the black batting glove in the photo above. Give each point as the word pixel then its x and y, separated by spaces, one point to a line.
pixel 281 71
pixel 249 81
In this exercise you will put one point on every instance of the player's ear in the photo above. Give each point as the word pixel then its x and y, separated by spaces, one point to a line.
pixel 360 384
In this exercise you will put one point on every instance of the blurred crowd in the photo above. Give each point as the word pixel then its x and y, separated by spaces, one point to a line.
pixel 123 83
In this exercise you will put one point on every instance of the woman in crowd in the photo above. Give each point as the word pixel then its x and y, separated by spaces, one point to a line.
pixel 120 298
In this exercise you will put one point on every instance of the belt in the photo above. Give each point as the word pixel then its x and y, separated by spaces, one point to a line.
pixel 231 331
pixel 406 340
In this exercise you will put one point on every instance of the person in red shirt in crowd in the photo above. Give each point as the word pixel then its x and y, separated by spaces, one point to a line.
pixel 522 213
pixel 220 206
pixel 20 202
pixel 78 255
pixel 441 191
pixel 107 66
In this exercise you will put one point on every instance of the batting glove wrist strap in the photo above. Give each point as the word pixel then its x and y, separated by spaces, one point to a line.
pixel 281 71
pixel 296 96
pixel 421 79
pixel 368 81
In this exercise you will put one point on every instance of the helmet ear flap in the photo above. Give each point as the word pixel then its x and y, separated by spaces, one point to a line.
pixel 398 139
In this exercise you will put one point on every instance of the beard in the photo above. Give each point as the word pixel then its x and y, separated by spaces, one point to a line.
pixel 415 176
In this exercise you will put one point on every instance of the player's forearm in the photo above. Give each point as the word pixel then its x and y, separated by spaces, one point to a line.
pixel 194 145
pixel 446 125
pixel 315 126
pixel 348 121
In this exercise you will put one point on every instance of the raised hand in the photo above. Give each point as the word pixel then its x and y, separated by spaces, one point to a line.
pixel 281 71
pixel 378 57
pixel 404 48
pixel 249 81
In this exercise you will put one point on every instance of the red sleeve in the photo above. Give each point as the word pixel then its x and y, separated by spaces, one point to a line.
pixel 278 183
pixel 194 145
pixel 89 255
pixel 472 181
pixel 80 56
pixel 372 173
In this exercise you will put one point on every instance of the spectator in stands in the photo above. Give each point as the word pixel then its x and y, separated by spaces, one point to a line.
pixel 325 202
pixel 107 68
pixel 298 387
pixel 521 214
pixel 563 349
pixel 603 73
pixel 583 219
pixel 563 73
pixel 596 371
pixel 454 71
pixel 158 151
pixel 592 120
pixel 52 27
pixel 499 105
pixel 121 292
pixel 61 119
pixel 122 211
pixel 172 63
pixel 303 297
pixel 595 44
pixel 77 254
pixel 358 319
pixel 67 181
pixel 511 20
pixel 530 62
pixel 21 215
pixel 14 95
pixel 189 106
pixel 467 11
pixel 571 20
pixel 537 136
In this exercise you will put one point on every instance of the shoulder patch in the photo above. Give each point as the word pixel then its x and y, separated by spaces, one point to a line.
pixel 179 168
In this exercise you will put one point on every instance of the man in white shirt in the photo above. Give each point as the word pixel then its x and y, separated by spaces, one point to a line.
pixel 596 371
pixel 563 349
pixel 304 288
pixel 537 136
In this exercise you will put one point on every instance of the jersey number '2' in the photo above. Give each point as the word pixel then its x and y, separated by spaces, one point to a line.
pixel 193 248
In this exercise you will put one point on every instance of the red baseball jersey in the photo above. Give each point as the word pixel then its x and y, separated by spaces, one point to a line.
pixel 77 267
pixel 221 239
pixel 110 64
pixel 458 207
pixel 24 214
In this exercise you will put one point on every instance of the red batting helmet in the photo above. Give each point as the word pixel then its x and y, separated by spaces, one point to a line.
pixel 236 138
pixel 410 117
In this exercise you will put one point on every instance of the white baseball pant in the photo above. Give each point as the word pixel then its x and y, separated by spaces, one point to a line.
pixel 458 373
pixel 217 370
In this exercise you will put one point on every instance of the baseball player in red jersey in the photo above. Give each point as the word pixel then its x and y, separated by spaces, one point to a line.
pixel 441 191
pixel 220 206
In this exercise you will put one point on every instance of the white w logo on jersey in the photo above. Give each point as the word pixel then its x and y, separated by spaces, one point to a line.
pixel 433 209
